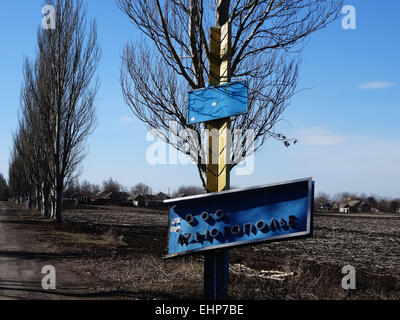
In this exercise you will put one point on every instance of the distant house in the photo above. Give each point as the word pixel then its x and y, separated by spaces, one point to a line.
pixel 111 198
pixel 344 210
pixel 156 200
pixel 349 205
pixel 137 200
pixel 328 207
pixel 344 206
pixel 121 198
pixel 84 200
pixel 69 201
pixel 181 195
pixel 162 196
pixel 364 207
pixel 103 198
pixel 353 205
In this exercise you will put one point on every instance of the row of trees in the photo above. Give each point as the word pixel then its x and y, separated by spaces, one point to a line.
pixel 87 189
pixel 57 111
pixel 4 194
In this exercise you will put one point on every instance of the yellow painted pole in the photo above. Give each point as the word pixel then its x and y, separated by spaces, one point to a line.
pixel 216 263
pixel 218 168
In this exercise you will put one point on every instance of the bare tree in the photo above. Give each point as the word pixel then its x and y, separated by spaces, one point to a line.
pixel 111 185
pixel 174 57
pixel 66 66
pixel 321 199
pixel 4 193
pixel 395 205
pixel 19 182
pixel 72 189
pixel 89 190
pixel 189 190
pixel 28 141
pixel 371 201
pixel 142 189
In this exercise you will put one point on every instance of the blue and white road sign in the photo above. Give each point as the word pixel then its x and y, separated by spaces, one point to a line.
pixel 217 102
pixel 240 217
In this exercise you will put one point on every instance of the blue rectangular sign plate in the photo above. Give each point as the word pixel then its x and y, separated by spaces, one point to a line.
pixel 240 217
pixel 217 102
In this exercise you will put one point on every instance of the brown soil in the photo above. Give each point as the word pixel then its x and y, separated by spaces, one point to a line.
pixel 116 253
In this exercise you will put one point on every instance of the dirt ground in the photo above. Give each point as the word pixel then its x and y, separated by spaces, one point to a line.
pixel 116 253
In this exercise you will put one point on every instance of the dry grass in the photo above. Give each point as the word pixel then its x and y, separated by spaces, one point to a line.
pixel 110 238
pixel 312 266
pixel 152 276
pixel 127 258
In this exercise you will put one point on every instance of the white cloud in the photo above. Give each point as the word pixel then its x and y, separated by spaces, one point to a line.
pixel 337 162
pixel 319 137
pixel 376 85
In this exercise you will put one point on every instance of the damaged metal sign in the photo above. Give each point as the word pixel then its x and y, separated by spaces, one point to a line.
pixel 240 217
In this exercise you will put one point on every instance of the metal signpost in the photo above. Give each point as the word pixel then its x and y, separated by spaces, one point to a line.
pixel 223 218
pixel 216 263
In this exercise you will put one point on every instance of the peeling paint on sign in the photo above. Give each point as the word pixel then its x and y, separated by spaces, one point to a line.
pixel 175 229
pixel 241 217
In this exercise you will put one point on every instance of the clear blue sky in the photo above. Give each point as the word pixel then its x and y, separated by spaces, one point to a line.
pixel 347 119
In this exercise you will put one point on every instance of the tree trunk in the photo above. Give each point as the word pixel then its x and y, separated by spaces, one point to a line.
pixel 29 203
pixel 45 203
pixel 58 213
pixel 59 200
pixel 53 205
pixel 38 202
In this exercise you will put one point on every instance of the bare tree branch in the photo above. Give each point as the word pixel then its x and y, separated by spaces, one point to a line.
pixel 267 39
